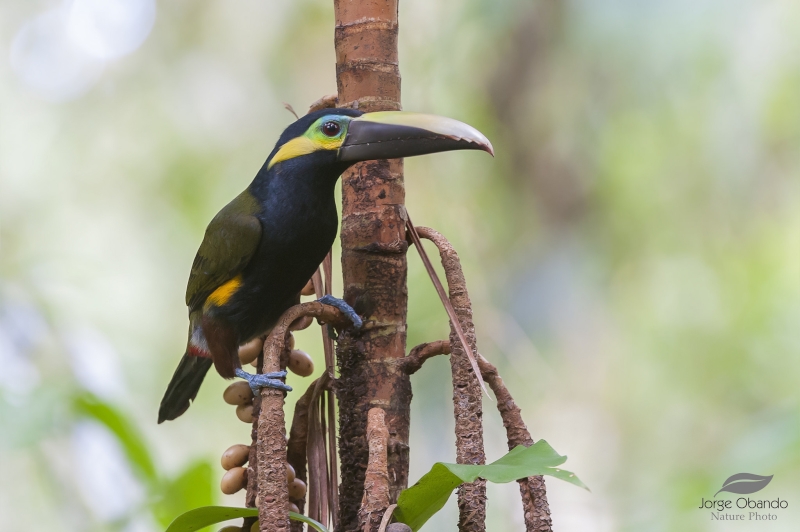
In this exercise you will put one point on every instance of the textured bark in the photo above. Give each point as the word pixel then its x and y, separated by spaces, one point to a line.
pixel 375 500
pixel 266 469
pixel 273 511
pixel 467 406
pixel 532 489
pixel 373 258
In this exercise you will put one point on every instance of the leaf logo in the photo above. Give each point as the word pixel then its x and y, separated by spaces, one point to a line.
pixel 745 483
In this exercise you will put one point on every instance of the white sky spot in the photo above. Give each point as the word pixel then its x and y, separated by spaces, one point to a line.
pixel 104 478
pixel 61 53
pixel 49 63
pixel 19 375
pixel 95 362
pixel 21 328
pixel 141 523
pixel 108 29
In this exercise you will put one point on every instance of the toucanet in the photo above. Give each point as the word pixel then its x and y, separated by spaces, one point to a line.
pixel 261 249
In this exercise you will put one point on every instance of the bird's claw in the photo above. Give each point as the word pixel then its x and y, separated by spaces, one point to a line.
pixel 264 380
pixel 346 309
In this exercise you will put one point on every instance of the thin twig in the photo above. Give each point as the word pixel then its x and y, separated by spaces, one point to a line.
pixel 451 313
pixel 296 448
pixel 387 516
pixel 319 489
pixel 318 500
pixel 417 356
pixel 330 362
pixel 288 107
pixel 331 482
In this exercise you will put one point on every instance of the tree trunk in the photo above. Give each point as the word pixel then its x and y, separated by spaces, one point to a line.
pixel 373 258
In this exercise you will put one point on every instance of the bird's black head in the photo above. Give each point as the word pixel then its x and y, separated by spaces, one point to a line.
pixel 313 142
pixel 330 140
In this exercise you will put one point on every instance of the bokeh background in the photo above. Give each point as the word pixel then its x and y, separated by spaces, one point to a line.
pixel 633 251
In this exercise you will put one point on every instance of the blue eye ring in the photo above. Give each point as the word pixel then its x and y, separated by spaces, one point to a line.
pixel 331 128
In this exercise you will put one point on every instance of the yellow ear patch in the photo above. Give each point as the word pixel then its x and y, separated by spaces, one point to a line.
pixel 294 148
pixel 223 294
pixel 303 146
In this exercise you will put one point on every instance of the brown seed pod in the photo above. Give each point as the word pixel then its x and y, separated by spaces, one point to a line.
pixel 303 322
pixel 233 480
pixel 297 489
pixel 289 473
pixel 293 508
pixel 300 363
pixel 290 341
pixel 250 351
pixel 235 456
pixel 255 528
pixel 308 289
pixel 238 393
pixel 245 413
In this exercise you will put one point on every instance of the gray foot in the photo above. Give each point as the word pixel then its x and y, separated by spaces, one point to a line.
pixel 346 309
pixel 264 380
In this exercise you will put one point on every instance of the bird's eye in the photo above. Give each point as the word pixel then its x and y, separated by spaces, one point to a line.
pixel 331 129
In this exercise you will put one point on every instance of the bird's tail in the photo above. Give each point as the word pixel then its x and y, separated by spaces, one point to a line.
pixel 188 376
pixel 183 387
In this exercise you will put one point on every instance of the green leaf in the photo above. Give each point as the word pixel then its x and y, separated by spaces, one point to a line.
pixel 419 502
pixel 319 527
pixel 132 442
pixel 199 518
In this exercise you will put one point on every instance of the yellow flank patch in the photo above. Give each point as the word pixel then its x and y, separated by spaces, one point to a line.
pixel 303 146
pixel 223 294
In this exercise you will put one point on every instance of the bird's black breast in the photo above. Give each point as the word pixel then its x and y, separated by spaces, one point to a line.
pixel 299 224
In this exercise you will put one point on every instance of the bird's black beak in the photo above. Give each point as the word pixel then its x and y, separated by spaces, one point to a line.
pixel 394 134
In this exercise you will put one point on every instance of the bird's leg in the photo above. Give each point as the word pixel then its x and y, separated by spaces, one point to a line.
pixel 264 380
pixel 346 309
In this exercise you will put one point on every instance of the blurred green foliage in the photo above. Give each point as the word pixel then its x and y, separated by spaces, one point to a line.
pixel 633 251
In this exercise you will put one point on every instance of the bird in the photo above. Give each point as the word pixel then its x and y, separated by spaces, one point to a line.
pixel 260 250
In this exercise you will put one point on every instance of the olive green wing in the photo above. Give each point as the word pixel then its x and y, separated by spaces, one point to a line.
pixel 230 242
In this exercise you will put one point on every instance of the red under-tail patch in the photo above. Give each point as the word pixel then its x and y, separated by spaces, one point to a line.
pixel 224 346
pixel 195 351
